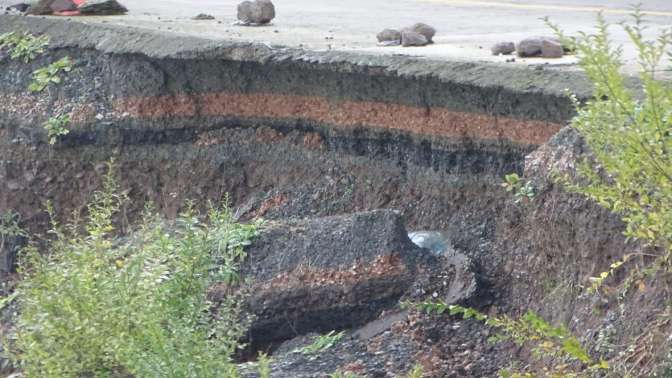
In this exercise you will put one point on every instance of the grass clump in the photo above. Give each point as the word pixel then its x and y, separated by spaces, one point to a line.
pixel 101 306
pixel 322 342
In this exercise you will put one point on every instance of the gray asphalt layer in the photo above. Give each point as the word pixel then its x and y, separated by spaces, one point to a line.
pixel 465 28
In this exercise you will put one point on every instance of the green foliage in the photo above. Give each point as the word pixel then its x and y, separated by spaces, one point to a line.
pixel 264 366
pixel 23 46
pixel 322 342
pixel 56 127
pixel 630 170
pixel 416 372
pixel 9 227
pixel 42 77
pixel 100 305
pixel 521 191
pixel 338 374
pixel 596 282
pixel 545 340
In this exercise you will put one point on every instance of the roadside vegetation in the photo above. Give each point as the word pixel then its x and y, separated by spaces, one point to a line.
pixel 628 131
pixel 26 47
pixel 96 304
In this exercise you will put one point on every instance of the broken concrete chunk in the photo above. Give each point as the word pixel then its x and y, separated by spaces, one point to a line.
pixel 427 31
pixel 411 38
pixel 328 273
pixel 257 12
pixel 389 37
pixel 503 48
pixel 551 49
pixel 102 8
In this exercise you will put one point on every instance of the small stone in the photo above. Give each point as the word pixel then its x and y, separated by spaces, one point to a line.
pixel 257 12
pixel 551 49
pixel 389 37
pixel 427 31
pixel 411 38
pixel 503 48
pixel 203 16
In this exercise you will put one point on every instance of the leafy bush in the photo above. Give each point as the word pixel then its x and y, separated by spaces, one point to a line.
pixel 9 227
pixel 57 127
pixel 100 305
pixel 628 133
pixel 522 192
pixel 44 76
pixel 23 46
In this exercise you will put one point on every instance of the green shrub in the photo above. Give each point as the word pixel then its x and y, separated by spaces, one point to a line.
pixel 45 76
pixel 57 127
pixel 99 305
pixel 23 46
pixel 9 227
pixel 628 133
pixel 522 192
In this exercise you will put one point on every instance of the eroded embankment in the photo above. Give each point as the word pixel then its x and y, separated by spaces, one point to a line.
pixel 289 132
pixel 294 133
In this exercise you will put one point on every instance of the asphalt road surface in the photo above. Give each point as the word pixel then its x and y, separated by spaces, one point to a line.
pixel 465 28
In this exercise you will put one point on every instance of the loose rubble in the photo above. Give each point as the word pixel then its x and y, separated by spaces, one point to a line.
pixel 257 12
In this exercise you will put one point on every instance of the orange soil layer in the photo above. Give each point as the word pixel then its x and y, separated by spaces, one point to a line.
pixel 438 122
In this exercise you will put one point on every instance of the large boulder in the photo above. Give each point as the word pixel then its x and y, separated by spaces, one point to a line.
pixel 257 12
pixel 328 273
